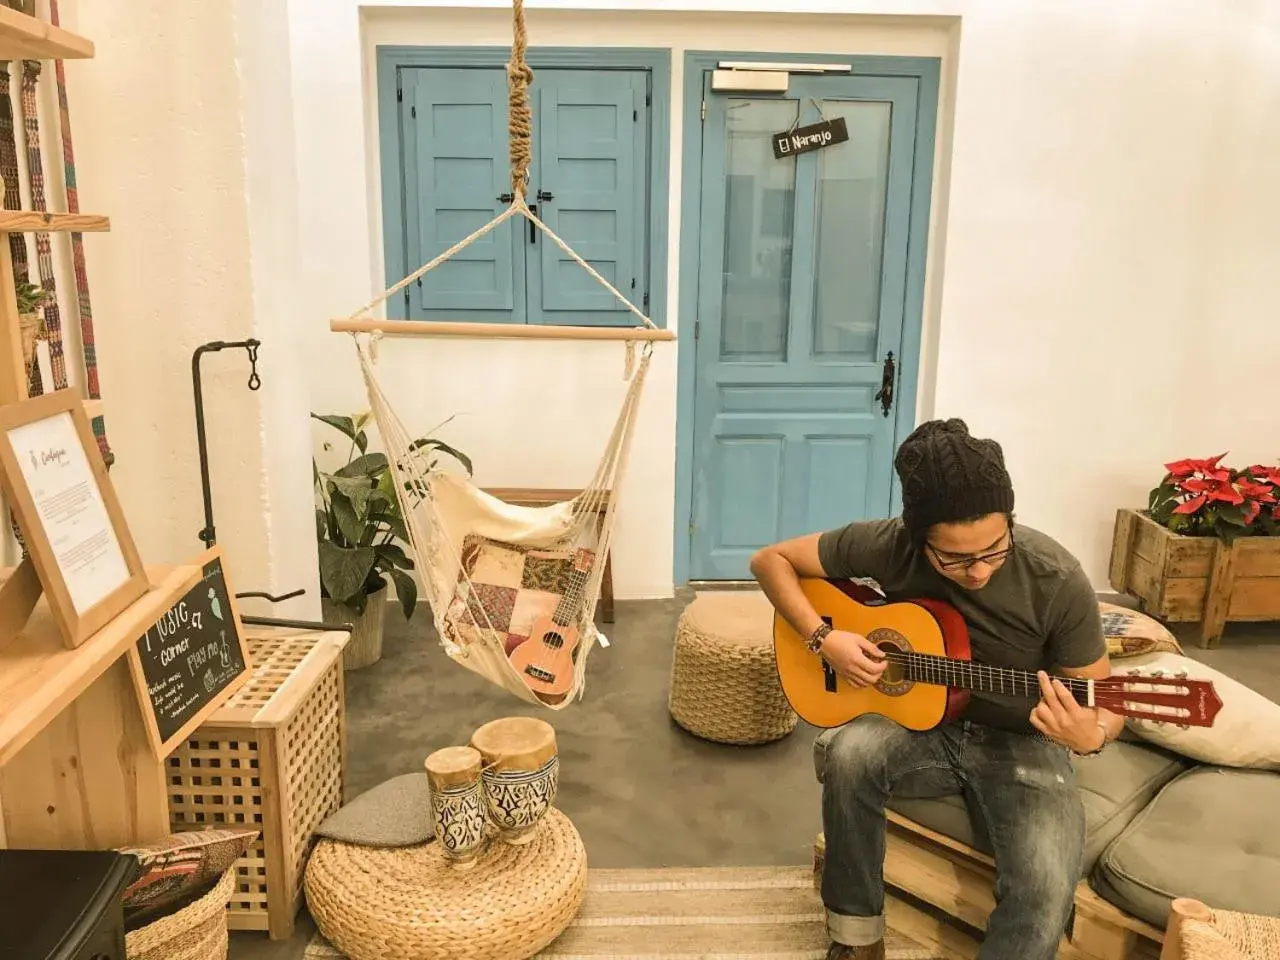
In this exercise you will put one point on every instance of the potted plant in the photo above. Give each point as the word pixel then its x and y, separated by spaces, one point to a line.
pixel 30 299
pixel 362 536
pixel 1206 548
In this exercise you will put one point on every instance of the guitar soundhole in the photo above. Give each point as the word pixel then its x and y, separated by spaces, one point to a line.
pixel 893 682
pixel 553 640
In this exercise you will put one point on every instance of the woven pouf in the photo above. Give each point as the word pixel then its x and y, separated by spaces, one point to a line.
pixel 724 679
pixel 396 903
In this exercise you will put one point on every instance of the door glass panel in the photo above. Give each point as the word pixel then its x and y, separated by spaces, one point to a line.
pixel 853 178
pixel 758 215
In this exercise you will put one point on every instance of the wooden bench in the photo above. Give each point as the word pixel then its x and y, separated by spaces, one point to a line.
pixel 541 497
pixel 958 881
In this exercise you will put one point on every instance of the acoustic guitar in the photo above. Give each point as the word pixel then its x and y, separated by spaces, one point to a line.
pixel 929 674
pixel 547 659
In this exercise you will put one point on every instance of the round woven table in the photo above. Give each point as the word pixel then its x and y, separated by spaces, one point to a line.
pixel 393 903
pixel 724 679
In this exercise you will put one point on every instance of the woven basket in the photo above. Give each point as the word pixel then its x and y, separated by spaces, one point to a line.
pixel 724 678
pixel 196 932
pixel 397 903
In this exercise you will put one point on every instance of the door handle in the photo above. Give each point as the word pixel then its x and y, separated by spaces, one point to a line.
pixel 885 394
pixel 533 229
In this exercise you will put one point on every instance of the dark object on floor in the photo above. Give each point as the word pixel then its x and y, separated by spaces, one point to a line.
pixel 63 904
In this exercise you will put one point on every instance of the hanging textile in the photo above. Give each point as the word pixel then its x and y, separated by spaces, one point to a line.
pixel 44 249
pixel 512 589
pixel 83 306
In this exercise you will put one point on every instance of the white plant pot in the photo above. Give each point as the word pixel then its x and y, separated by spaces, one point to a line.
pixel 365 646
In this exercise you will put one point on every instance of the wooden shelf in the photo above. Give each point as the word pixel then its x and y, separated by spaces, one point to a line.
pixel 39 676
pixel 33 221
pixel 24 37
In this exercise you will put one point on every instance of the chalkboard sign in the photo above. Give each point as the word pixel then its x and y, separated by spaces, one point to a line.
pixel 813 137
pixel 192 659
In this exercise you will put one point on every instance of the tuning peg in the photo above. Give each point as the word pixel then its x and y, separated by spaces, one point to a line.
pixel 1181 674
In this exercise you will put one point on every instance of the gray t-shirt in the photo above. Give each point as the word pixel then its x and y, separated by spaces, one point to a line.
pixel 1037 612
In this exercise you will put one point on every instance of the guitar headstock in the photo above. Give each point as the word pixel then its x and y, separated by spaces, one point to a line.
pixel 1158 698
pixel 583 559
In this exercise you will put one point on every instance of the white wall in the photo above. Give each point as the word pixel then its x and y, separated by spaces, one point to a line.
pixel 1105 197
pixel 181 134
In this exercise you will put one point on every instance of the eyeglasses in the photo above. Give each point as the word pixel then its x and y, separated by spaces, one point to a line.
pixel 966 562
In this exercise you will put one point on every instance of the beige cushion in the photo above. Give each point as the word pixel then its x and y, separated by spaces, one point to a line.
pixel 1246 732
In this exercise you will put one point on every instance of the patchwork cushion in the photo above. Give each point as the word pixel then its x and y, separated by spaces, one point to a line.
pixel 1209 835
pixel 1114 786
pixel 182 864
pixel 1131 633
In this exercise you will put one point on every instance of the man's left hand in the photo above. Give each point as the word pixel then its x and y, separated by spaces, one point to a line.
pixel 1063 720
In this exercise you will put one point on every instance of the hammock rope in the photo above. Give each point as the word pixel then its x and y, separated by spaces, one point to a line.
pixel 446 516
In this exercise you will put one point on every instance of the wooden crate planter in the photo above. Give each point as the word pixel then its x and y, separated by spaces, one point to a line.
pixel 273 757
pixel 1195 579
pixel 958 882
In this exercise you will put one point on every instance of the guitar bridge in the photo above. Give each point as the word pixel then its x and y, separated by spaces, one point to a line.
pixel 546 676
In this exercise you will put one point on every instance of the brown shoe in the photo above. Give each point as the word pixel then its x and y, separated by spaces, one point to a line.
pixel 872 951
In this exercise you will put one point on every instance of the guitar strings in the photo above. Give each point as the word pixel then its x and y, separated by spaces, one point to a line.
pixel 577 582
pixel 934 668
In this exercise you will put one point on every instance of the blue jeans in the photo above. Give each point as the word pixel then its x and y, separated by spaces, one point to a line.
pixel 1023 790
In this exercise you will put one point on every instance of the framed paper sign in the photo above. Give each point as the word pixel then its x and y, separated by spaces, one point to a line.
pixel 71 521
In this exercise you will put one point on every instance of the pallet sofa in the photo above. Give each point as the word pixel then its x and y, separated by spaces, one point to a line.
pixel 1158 826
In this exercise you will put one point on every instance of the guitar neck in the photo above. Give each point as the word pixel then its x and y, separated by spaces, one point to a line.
pixel 570 602
pixel 983 678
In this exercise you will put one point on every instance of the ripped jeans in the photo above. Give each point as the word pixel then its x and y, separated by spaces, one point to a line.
pixel 1022 789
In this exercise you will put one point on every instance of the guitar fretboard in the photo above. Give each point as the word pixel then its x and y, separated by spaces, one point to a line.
pixel 968 675
pixel 571 599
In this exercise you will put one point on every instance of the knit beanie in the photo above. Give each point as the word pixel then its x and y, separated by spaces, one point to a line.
pixel 949 476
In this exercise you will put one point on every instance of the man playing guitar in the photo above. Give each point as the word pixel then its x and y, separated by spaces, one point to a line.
pixel 1027 605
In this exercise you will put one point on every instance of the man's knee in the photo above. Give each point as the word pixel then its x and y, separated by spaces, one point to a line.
pixel 857 752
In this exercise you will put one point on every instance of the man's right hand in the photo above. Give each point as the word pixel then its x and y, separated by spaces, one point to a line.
pixel 853 657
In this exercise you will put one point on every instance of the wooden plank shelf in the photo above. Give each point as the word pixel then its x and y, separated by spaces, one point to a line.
pixel 24 37
pixel 33 221
pixel 40 676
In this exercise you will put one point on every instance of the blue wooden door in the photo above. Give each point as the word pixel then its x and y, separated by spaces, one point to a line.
pixel 589 182
pixel 455 174
pixel 802 277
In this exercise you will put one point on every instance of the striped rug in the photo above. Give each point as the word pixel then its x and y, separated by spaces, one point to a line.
pixel 709 913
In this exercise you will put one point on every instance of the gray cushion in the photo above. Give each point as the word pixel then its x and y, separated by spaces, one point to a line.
pixel 396 813
pixel 1210 835
pixel 1114 785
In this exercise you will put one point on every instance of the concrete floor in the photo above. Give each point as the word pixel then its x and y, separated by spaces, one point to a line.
pixel 642 792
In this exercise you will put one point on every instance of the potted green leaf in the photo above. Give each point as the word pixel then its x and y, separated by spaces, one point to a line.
pixel 362 537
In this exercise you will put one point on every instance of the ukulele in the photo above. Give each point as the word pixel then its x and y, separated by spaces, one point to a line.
pixel 546 660
pixel 929 674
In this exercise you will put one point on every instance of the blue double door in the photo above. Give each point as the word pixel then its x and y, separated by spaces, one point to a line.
pixel 803 310
pixel 588 182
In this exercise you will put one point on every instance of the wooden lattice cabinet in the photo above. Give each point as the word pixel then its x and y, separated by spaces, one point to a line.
pixel 274 758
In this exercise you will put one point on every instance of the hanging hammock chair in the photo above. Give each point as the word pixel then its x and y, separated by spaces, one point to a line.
pixel 512 589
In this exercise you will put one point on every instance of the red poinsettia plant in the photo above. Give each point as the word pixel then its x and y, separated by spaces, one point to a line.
pixel 1202 498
